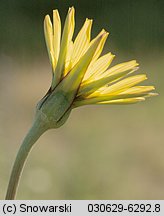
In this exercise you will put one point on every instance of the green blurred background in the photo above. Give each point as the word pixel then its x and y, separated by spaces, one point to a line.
pixel 102 152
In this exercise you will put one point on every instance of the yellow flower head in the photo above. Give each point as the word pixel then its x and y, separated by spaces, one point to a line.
pixel 81 76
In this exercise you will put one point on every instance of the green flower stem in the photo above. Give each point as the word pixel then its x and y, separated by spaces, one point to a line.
pixel 34 133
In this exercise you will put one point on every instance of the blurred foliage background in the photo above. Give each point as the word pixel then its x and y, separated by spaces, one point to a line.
pixel 104 152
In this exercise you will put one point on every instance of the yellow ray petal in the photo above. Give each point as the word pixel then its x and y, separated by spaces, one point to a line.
pixel 138 90
pixel 57 34
pixel 68 64
pixel 151 94
pixel 118 87
pixel 108 97
pixel 52 60
pixel 134 92
pixel 125 66
pixel 124 84
pixel 48 32
pixel 101 45
pixel 124 101
pixel 109 76
pixel 107 100
pixel 65 43
pixel 70 84
pixel 99 85
pixel 98 67
pixel 82 41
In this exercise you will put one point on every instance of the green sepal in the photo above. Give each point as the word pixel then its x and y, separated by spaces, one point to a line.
pixel 54 109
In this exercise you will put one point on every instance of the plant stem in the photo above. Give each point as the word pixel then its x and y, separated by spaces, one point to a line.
pixel 34 133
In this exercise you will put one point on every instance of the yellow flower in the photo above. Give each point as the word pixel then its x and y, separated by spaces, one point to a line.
pixel 81 76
